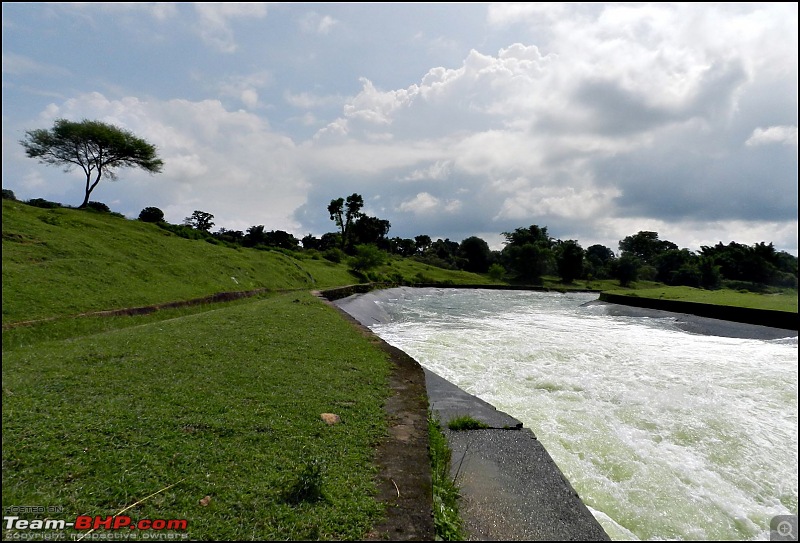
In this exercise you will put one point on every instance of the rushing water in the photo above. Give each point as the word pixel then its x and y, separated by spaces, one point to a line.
pixel 664 434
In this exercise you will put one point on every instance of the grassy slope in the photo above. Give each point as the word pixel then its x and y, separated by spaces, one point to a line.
pixel 63 262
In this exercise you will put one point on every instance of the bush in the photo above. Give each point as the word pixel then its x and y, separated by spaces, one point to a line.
pixel 367 257
pixel 496 272
pixel 98 206
pixel 45 204
pixel 151 214
pixel 334 255
pixel 184 231
pixel 8 194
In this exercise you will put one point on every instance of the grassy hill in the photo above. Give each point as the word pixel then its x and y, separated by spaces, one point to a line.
pixel 59 262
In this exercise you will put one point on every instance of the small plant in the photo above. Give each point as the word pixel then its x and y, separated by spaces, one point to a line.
pixel 465 422
pixel 308 485
pixel 446 517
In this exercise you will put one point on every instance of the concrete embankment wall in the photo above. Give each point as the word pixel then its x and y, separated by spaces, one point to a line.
pixel 763 317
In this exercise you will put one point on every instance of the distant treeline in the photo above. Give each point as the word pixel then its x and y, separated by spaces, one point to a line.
pixel 529 252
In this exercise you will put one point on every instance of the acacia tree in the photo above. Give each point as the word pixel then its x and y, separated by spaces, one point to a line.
pixel 200 220
pixel 96 147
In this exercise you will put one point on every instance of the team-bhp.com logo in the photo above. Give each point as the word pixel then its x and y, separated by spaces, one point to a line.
pixel 85 522
pixel 93 527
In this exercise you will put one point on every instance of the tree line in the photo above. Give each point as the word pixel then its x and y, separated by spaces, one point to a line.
pixel 529 253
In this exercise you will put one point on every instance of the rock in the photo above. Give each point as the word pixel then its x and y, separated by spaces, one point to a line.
pixel 330 418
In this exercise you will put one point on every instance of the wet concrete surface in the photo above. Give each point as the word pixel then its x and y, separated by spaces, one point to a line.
pixel 511 489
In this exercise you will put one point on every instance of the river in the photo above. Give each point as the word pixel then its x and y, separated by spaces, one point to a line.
pixel 664 433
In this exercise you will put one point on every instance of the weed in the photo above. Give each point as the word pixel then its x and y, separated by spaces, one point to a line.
pixel 307 487
pixel 465 422
pixel 446 517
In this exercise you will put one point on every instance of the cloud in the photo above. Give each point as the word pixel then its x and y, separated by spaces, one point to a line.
pixel 553 203
pixel 596 120
pixel 786 135
pixel 425 204
pixel 14 64
pixel 437 171
pixel 621 111
pixel 314 23
pixel 245 88
pixel 214 21
pixel 160 11
pixel 308 100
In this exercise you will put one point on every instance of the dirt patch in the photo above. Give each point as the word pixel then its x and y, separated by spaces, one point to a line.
pixel 404 479
pixel 147 309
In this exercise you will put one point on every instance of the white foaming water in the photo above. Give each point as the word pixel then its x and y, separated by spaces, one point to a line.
pixel 664 434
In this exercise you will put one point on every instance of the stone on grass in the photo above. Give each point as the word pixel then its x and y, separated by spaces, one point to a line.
pixel 330 418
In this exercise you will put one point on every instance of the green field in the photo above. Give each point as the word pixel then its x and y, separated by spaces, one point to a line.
pixel 219 400
pixel 215 408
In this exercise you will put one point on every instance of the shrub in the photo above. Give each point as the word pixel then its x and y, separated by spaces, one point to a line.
pixel 334 255
pixel 8 194
pixel 45 204
pixel 151 214
pixel 446 516
pixel 98 206
pixel 496 272
pixel 367 257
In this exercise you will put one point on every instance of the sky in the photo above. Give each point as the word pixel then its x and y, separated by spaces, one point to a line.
pixel 452 120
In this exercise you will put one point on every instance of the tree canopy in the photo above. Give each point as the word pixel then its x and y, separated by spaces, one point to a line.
pixel 344 215
pixel 97 148
pixel 200 220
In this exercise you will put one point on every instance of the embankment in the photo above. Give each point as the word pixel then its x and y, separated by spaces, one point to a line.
pixel 761 317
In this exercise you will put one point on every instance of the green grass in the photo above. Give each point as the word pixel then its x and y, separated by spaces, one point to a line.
pixel 63 261
pixel 446 516
pixel 60 262
pixel 785 300
pixel 465 422
pixel 417 272
pixel 226 403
